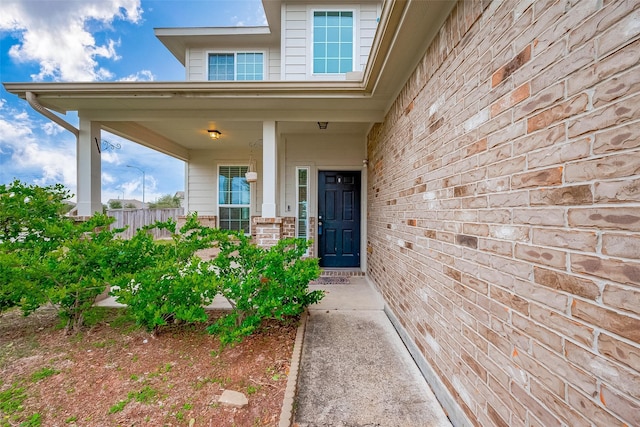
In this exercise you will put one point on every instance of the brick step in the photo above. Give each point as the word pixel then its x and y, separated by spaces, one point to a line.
pixel 342 272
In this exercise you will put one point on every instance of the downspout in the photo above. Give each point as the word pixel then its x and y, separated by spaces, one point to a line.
pixel 33 101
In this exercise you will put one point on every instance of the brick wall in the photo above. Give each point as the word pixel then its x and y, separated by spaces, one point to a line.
pixel 510 250
pixel 267 231
pixel 206 220
pixel 288 227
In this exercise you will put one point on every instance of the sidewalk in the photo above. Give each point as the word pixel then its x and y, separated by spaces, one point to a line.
pixel 355 370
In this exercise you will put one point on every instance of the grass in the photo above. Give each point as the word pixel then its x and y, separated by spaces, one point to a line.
pixel 11 405
pixel 118 406
pixel 34 420
pixel 43 373
pixel 11 400
pixel 106 343
pixel 147 395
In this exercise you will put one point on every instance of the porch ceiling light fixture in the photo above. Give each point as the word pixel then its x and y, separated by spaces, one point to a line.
pixel 214 133
pixel 323 125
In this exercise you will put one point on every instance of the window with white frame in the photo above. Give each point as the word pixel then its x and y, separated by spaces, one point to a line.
pixel 236 66
pixel 332 42
pixel 302 174
pixel 234 199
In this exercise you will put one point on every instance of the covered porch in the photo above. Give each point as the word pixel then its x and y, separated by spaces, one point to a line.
pixel 309 156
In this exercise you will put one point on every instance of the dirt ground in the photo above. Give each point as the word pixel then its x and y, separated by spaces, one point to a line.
pixel 113 374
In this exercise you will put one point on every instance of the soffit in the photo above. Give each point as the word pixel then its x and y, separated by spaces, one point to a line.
pixel 178 40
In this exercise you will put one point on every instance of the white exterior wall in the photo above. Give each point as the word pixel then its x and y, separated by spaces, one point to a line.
pixel 196 65
pixel 273 64
pixel 196 62
pixel 294 60
pixel 318 153
pixel 294 41
pixel 202 180
pixel 369 14
pixel 297 37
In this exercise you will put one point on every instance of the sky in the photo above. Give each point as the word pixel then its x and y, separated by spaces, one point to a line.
pixel 95 40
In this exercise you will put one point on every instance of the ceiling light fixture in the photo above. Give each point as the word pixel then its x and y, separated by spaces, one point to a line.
pixel 323 125
pixel 214 133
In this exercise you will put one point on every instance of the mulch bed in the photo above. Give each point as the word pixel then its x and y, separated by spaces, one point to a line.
pixel 114 374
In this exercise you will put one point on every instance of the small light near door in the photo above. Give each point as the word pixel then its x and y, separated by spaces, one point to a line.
pixel 323 125
pixel 214 133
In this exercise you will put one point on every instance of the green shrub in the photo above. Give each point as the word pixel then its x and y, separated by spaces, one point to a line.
pixel 31 225
pixel 167 282
pixel 262 284
pixel 46 257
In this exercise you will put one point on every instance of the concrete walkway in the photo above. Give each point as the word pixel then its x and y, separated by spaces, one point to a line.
pixel 355 371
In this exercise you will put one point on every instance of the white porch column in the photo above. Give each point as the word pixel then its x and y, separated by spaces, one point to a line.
pixel 269 169
pixel 89 169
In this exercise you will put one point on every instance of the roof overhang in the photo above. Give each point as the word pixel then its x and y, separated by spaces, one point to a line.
pixel 158 109
pixel 178 40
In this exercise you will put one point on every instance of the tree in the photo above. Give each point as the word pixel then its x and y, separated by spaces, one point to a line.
pixel 166 201
pixel 115 204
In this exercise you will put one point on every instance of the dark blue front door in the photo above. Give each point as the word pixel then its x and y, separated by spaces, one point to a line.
pixel 339 218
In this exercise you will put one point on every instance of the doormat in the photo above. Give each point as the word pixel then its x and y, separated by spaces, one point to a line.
pixel 331 280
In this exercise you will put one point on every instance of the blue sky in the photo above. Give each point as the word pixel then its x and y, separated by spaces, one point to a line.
pixel 94 40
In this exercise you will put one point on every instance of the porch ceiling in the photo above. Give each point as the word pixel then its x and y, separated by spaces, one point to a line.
pixel 192 133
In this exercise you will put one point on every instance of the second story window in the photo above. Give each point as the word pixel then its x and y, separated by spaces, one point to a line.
pixel 236 66
pixel 332 42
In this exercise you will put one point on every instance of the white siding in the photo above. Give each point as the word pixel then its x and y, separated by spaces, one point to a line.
pixel 202 176
pixel 369 14
pixel 297 33
pixel 319 153
pixel 294 42
pixel 196 64
pixel 273 69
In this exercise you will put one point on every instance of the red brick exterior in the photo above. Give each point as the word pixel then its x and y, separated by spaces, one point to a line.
pixel 206 220
pixel 504 211
pixel 267 231
pixel 288 227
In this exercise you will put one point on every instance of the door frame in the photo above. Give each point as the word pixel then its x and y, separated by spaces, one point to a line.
pixel 363 207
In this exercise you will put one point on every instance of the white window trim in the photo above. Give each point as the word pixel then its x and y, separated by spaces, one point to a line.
pixel 265 61
pixel 308 169
pixel 219 205
pixel 356 41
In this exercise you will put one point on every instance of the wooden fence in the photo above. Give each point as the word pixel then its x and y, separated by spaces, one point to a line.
pixel 134 219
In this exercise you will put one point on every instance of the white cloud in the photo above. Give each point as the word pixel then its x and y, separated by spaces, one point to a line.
pixel 131 187
pixel 254 17
pixel 107 178
pixel 51 128
pixel 25 153
pixel 140 76
pixel 56 35
pixel 111 157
